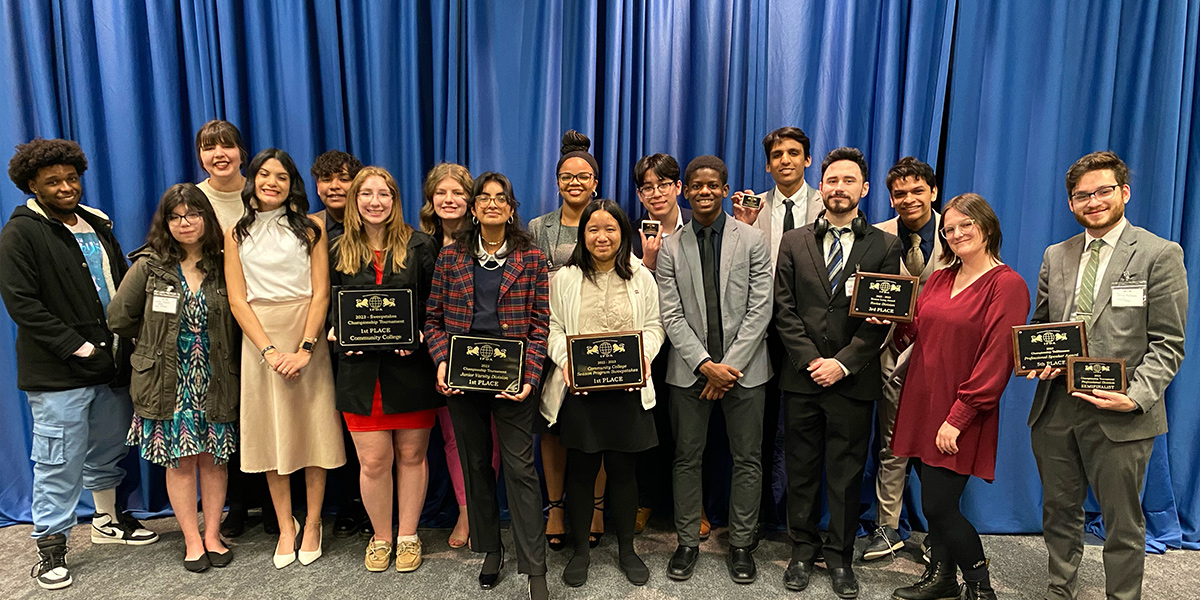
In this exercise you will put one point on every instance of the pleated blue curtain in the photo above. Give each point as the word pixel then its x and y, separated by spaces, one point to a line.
pixel 1001 96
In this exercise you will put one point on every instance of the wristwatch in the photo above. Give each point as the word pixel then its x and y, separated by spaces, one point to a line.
pixel 307 344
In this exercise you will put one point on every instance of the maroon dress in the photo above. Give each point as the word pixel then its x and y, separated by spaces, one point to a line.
pixel 960 365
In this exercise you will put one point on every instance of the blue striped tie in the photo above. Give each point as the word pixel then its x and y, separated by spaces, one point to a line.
pixel 834 260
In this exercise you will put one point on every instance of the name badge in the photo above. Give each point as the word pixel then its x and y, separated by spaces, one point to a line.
pixel 850 287
pixel 1129 295
pixel 165 302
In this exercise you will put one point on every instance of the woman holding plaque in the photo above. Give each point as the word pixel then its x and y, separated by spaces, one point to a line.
pixel 491 282
pixel 960 363
pixel 277 272
pixel 184 386
pixel 556 234
pixel 447 187
pixel 603 289
pixel 387 396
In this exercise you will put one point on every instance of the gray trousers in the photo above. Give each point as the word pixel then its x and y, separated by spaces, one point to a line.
pixel 1072 452
pixel 892 472
pixel 743 409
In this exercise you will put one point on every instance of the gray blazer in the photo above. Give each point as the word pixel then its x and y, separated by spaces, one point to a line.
pixel 1149 338
pixel 746 291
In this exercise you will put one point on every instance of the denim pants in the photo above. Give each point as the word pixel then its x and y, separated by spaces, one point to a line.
pixel 78 441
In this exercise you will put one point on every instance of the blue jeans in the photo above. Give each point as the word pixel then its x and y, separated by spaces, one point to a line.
pixel 78 440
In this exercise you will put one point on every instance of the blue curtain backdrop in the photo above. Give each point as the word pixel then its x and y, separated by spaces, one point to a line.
pixel 1000 96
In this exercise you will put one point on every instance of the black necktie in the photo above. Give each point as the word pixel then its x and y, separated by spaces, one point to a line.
pixel 712 296
pixel 789 222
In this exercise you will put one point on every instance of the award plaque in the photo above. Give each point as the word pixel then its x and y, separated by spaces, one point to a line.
pixel 486 364
pixel 884 296
pixel 752 202
pixel 1036 347
pixel 1086 374
pixel 372 318
pixel 605 361
pixel 650 227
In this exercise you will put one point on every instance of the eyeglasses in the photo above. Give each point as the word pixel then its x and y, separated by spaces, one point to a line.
pixel 964 228
pixel 661 188
pixel 191 218
pixel 1103 192
pixel 497 200
pixel 566 178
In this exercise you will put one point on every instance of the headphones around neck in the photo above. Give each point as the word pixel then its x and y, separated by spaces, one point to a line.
pixel 858 226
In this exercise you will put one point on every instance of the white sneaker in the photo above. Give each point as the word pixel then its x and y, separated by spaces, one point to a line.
pixel 51 571
pixel 122 530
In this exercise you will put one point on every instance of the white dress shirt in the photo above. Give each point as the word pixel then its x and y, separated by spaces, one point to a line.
pixel 1106 251
pixel 800 212
pixel 847 244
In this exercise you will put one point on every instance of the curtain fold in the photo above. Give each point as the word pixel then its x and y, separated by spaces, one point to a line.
pixel 1000 96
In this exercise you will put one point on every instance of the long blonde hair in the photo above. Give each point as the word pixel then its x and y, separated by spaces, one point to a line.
pixel 430 222
pixel 352 249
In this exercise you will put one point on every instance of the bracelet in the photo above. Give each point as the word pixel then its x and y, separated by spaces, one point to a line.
pixel 264 351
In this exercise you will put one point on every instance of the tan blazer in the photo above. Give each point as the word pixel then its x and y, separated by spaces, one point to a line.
pixel 891 354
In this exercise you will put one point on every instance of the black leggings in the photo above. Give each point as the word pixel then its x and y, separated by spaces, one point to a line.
pixel 582 468
pixel 956 538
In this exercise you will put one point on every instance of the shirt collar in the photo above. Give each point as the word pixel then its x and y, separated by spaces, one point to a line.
pixel 799 197
pixel 926 231
pixel 499 256
pixel 1109 238
pixel 718 226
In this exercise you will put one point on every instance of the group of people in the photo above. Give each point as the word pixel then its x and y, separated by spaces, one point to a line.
pixel 216 347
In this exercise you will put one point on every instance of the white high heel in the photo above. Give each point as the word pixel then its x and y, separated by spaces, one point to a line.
pixel 283 560
pixel 307 558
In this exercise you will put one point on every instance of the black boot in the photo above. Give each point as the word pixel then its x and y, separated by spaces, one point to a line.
pixel 940 582
pixel 977 590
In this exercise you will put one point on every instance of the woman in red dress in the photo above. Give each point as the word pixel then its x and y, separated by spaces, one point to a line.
pixel 949 407
pixel 387 396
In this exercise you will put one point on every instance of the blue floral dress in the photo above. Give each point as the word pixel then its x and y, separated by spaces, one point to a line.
pixel 188 433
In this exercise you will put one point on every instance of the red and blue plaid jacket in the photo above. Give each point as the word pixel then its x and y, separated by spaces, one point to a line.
pixel 524 305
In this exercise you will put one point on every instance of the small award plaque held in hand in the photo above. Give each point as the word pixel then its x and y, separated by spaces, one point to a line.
pixel 372 318
pixel 486 364
pixel 1036 347
pixel 605 361
pixel 752 202
pixel 1085 374
pixel 884 296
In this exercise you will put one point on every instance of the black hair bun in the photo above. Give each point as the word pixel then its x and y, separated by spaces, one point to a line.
pixel 573 141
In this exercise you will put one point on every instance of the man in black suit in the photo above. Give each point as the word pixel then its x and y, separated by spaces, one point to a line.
pixel 831 379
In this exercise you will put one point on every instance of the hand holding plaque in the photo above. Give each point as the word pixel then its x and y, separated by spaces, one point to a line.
pixel 1085 374
pixel 1036 347
pixel 605 361
pixel 373 318
pixel 884 296
pixel 486 364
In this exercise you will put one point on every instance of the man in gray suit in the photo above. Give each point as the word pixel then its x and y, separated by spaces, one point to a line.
pixel 792 202
pixel 1129 287
pixel 714 280
pixel 913 189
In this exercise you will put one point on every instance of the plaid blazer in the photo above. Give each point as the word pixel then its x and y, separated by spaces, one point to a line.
pixel 524 304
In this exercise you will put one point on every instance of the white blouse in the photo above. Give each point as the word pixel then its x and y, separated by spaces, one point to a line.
pixel 275 263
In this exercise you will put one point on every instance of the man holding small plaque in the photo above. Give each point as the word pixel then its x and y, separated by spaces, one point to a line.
pixel 1129 287
pixel 832 377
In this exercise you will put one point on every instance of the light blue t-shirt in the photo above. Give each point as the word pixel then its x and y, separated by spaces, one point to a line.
pixel 96 257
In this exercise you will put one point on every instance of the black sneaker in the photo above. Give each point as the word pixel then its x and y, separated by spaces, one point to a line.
pixel 51 571
pixel 884 542
pixel 123 530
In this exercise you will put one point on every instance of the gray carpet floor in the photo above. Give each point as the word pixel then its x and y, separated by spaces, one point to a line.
pixel 109 572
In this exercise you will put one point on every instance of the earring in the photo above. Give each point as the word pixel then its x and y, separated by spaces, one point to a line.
pixel 511 219
pixel 474 220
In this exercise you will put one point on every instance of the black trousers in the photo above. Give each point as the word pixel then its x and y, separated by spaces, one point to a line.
pixel 654 464
pixel 831 431
pixel 471 414
pixel 951 535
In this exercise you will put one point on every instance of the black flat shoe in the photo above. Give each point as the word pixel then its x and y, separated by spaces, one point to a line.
pixel 221 560
pixel 844 584
pixel 489 574
pixel 634 568
pixel 199 565
pixel 556 541
pixel 741 565
pixel 234 523
pixel 576 572
pixel 683 563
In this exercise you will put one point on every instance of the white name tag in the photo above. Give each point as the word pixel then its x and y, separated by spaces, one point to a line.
pixel 165 302
pixel 850 286
pixel 1129 295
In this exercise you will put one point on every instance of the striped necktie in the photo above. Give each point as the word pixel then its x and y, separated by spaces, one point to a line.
pixel 834 260
pixel 1087 287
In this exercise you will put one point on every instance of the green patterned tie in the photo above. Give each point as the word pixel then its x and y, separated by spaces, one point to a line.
pixel 1087 287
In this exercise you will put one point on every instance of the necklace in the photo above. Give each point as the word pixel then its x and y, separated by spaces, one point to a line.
pixel 492 244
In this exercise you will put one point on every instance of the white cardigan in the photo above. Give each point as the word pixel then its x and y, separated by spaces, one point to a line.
pixel 564 320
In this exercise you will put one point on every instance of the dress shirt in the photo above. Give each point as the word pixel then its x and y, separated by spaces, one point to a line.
pixel 1110 242
pixel 927 232
pixel 779 211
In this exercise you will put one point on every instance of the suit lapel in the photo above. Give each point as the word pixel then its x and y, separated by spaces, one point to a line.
pixel 855 257
pixel 816 254
pixel 1117 264
pixel 689 246
pixel 1066 290
pixel 729 246
pixel 512 269
pixel 463 276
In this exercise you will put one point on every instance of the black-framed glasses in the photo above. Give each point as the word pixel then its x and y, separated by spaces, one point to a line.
pixel 1104 192
pixel 498 199
pixel 964 228
pixel 661 188
pixel 584 178
pixel 190 218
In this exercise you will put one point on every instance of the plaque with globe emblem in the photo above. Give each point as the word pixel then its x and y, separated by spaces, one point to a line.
pixel 486 364
pixel 884 296
pixel 1087 374
pixel 1042 345
pixel 373 318
pixel 606 361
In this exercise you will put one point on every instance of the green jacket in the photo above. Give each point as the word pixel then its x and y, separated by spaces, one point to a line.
pixel 155 357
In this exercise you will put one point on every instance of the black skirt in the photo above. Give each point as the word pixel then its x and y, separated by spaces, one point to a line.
pixel 612 420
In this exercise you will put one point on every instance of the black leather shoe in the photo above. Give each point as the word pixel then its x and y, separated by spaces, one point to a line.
pixel 683 563
pixel 741 565
pixel 346 524
pixel 234 523
pixel 489 574
pixel 796 577
pixel 843 581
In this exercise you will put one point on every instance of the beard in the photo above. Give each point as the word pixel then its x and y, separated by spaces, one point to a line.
pixel 840 205
pixel 1113 217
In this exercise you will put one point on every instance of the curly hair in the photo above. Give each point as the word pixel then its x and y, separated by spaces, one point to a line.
pixel 40 153
pixel 333 161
